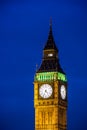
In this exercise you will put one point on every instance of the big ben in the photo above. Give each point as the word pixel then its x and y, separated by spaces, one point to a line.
pixel 50 90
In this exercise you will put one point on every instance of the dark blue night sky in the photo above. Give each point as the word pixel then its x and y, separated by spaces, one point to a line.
pixel 24 27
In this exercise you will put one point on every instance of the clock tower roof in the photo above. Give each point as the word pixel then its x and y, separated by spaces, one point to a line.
pixel 50 44
pixel 50 60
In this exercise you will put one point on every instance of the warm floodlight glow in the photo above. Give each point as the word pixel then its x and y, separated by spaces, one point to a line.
pixel 50 55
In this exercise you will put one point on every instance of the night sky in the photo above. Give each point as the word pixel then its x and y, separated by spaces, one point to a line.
pixel 24 28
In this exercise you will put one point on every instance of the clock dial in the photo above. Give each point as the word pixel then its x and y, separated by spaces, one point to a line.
pixel 63 92
pixel 45 91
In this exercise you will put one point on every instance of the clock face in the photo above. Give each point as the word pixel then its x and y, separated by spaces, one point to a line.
pixel 45 91
pixel 63 92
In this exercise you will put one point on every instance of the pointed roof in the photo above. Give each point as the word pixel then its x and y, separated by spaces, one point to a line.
pixel 50 64
pixel 50 44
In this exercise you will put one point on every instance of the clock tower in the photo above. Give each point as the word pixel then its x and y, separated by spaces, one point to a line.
pixel 50 90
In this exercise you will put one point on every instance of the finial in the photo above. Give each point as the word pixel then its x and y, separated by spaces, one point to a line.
pixel 36 67
pixel 50 21
pixel 50 25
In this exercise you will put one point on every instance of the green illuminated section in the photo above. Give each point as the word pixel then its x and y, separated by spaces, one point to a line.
pixel 47 76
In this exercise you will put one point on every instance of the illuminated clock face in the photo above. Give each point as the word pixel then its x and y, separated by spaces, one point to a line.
pixel 63 92
pixel 45 91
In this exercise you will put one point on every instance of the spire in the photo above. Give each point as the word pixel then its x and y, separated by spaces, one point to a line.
pixel 50 44
pixel 50 61
pixel 51 24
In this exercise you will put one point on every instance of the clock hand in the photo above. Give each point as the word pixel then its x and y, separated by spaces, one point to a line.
pixel 46 91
